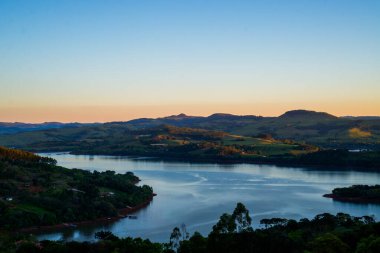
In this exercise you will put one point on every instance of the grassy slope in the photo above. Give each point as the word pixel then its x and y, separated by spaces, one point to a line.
pixel 331 133
pixel 118 139
pixel 319 129
pixel 316 128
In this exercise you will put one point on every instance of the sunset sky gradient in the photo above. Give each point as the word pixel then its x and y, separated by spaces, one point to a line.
pixel 113 60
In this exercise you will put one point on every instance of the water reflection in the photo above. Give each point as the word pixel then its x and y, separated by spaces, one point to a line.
pixel 197 194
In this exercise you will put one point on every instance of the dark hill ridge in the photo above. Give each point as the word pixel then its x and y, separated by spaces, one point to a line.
pixel 216 121
pixel 302 114
pixel 226 116
pixel 203 121
pixel 179 117
pixel 17 127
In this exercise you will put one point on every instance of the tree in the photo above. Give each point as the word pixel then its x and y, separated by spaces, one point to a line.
pixel 175 239
pixel 185 234
pixel 273 222
pixel 225 225
pixel 238 222
pixel 369 245
pixel 106 235
pixel 196 244
pixel 329 243
pixel 242 219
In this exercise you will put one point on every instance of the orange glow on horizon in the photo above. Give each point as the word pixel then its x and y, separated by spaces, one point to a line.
pixel 124 113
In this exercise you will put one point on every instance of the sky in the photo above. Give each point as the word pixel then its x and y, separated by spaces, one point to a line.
pixel 97 61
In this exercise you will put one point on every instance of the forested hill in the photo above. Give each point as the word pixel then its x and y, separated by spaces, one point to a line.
pixel 161 141
pixel 316 128
pixel 36 192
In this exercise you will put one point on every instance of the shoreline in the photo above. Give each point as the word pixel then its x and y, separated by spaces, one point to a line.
pixel 237 160
pixel 122 213
pixel 351 200
pixel 282 162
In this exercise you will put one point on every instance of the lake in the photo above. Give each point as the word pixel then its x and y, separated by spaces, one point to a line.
pixel 197 194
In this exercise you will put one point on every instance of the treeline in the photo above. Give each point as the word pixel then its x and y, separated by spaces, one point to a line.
pixel 211 152
pixel 190 144
pixel 325 233
pixel 357 193
pixel 344 158
pixel 35 192
pixel 20 156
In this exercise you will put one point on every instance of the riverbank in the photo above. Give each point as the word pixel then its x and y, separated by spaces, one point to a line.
pixel 195 193
pixel 122 213
pixel 352 199
pixel 321 160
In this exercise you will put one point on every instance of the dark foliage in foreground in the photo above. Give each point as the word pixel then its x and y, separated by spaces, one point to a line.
pixel 325 233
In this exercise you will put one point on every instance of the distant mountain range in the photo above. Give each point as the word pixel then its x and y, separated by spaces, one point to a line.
pixel 317 128
pixel 17 127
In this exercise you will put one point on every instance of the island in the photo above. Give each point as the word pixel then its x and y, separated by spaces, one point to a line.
pixel 356 193
pixel 35 193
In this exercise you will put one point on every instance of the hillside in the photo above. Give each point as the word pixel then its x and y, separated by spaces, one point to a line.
pixel 160 141
pixel 315 128
pixel 305 114
pixel 36 192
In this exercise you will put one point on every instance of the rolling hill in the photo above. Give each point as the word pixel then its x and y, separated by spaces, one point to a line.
pixel 315 128
pixel 159 141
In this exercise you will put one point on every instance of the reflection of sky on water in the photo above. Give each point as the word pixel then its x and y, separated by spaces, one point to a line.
pixel 197 194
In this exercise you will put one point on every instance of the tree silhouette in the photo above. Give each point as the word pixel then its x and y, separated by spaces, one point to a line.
pixel 238 222
pixel 175 239
pixel 242 219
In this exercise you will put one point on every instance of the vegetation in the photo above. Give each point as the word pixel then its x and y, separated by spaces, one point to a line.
pixel 36 192
pixel 183 143
pixel 316 128
pixel 357 193
pixel 161 141
pixel 324 233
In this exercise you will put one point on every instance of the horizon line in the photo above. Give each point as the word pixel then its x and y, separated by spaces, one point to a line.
pixel 179 114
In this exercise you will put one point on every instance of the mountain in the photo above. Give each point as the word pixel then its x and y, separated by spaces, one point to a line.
pixel 235 123
pixel 217 121
pixel 17 127
pixel 316 128
pixel 305 114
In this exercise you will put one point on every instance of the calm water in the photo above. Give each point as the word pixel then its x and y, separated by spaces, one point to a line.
pixel 197 194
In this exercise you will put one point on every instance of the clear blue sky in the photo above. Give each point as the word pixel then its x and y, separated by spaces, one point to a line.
pixel 115 60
